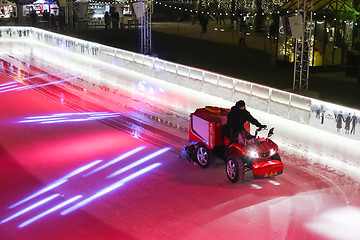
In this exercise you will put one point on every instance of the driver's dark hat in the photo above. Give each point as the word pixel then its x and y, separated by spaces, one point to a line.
pixel 240 103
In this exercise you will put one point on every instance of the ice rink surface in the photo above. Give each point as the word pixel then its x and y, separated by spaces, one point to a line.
pixel 85 161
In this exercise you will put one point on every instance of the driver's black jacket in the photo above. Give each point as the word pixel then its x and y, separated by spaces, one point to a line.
pixel 236 119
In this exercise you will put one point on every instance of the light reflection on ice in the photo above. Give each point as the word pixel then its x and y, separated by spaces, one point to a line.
pixel 338 223
pixel 69 117
pixel 314 145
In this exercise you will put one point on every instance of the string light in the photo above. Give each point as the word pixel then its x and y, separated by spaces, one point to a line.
pixel 225 6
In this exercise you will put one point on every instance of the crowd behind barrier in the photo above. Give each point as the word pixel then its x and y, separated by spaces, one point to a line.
pixel 333 118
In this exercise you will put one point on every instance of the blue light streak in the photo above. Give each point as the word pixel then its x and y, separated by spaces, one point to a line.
pixel 121 157
pixel 98 194
pixel 39 117
pixel 8 83
pixel 138 162
pixel 45 84
pixel 77 113
pixel 36 76
pixel 109 189
pixel 41 120
pixel 8 86
pixel 100 117
pixel 57 183
pixel 55 115
pixel 44 190
pixel 40 85
pixel 67 120
pixel 102 114
pixel 25 210
pixel 14 83
pixel 82 169
pixel 51 210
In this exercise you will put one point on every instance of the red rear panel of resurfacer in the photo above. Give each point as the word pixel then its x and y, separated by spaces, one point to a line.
pixel 206 127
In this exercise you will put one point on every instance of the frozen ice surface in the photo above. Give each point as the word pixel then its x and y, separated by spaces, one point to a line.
pixel 320 184
pixel 171 102
pixel 338 223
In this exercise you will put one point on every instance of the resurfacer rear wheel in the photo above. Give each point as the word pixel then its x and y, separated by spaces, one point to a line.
pixel 204 155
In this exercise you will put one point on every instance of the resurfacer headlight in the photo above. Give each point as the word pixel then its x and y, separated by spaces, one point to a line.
pixel 254 154
pixel 272 151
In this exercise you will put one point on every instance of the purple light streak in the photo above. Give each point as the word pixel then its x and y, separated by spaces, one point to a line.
pixel 138 162
pixel 51 210
pixel 57 182
pixel 109 189
pixel 8 86
pixel 121 157
pixel 69 117
pixel 25 210
pixel 45 84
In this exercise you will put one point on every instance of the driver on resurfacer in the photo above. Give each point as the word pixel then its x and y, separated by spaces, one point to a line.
pixel 236 119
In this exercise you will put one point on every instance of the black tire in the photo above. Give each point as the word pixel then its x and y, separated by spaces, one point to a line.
pixel 234 168
pixel 276 157
pixel 204 156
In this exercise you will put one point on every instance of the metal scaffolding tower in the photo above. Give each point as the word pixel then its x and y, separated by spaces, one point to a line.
pixel 69 13
pixel 145 11
pixel 303 50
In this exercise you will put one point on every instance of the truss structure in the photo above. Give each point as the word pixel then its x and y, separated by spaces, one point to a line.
pixel 69 12
pixel 145 11
pixel 303 50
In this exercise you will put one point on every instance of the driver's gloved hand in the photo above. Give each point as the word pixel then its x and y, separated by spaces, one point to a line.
pixel 263 126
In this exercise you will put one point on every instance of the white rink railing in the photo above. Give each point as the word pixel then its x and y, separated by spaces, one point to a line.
pixel 287 105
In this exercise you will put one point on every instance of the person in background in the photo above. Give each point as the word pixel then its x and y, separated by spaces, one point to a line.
pixel 107 20
pixel 204 20
pixel 115 17
pixel 354 121
pixel 46 18
pixel 33 18
pixel 52 22
pixel 61 22
pixel 243 31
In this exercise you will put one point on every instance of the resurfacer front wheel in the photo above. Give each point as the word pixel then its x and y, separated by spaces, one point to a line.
pixel 235 169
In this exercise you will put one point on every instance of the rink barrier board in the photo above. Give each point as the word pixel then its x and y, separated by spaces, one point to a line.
pixel 305 110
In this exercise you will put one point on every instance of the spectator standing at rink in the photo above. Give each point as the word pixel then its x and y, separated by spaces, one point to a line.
pixel 115 17
pixel 204 20
pixel 347 124
pixel 243 31
pixel 33 18
pixel 107 20
pixel 353 124
pixel 339 121
pixel 52 22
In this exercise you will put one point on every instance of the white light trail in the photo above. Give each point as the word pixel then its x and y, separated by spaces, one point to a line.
pixel 25 210
pixel 109 189
pixel 82 169
pixel 69 117
pixel 8 86
pixel 8 83
pixel 44 84
pixel 57 182
pixel 41 120
pixel 51 210
pixel 121 157
pixel 41 191
pixel 142 160
pixel 274 182
pixel 256 186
